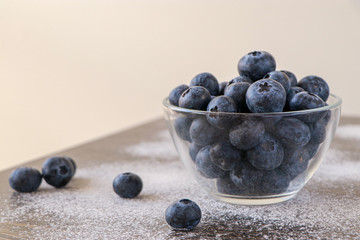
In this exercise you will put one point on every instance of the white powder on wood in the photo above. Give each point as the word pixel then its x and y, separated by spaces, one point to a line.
pixel 162 148
pixel 348 132
pixel 88 208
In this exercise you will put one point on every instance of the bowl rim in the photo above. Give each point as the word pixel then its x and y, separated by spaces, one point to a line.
pixel 336 104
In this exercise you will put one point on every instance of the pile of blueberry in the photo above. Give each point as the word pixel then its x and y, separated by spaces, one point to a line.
pixel 56 171
pixel 252 154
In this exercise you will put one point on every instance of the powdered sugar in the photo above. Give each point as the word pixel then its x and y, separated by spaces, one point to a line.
pixel 338 168
pixel 162 148
pixel 89 209
pixel 348 132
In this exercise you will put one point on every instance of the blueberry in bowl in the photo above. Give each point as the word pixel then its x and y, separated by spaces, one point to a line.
pixel 254 144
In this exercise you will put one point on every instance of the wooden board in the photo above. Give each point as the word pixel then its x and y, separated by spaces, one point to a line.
pixel 327 208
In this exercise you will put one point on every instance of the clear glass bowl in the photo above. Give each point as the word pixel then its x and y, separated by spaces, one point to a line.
pixel 253 158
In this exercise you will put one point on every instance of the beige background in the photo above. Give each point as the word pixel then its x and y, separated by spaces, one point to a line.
pixel 72 71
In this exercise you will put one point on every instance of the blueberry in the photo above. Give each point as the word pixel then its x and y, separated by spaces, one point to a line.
pixel 58 171
pixel 25 179
pixel 295 162
pixel 310 150
pixel 266 95
pixel 280 77
pixel 292 132
pixel 274 182
pixel 73 163
pixel 256 64
pixel 195 98
pixel 208 81
pixel 216 107
pixel 292 77
pixel 304 101
pixel 225 155
pixel 270 122
pixel 183 214
pixel 291 93
pixel 127 185
pixel 246 177
pixel 326 119
pixel 318 132
pixel 206 166
pixel 268 155
pixel 239 79
pixel 226 186
pixel 248 134
pixel 202 133
pixel 194 149
pixel 316 85
pixel 237 91
pixel 176 93
pixel 182 126
pixel 222 86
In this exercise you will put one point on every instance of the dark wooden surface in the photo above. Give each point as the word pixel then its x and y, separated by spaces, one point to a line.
pixel 220 220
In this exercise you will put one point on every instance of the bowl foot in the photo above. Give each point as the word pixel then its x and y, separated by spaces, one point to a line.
pixel 253 200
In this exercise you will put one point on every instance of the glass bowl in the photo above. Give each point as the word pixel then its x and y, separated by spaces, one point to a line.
pixel 253 158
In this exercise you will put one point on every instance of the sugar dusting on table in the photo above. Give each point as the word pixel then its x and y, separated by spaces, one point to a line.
pixel 348 132
pixel 163 147
pixel 89 209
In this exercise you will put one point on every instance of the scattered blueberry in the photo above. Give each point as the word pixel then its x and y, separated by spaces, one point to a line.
pixel 183 214
pixel 237 91
pixel 268 155
pixel 316 85
pixel 25 179
pixel 195 98
pixel 208 81
pixel 176 93
pixel 280 77
pixel 292 77
pixel 218 105
pixel 127 185
pixel 266 95
pixel 73 163
pixel 58 171
pixel 256 64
